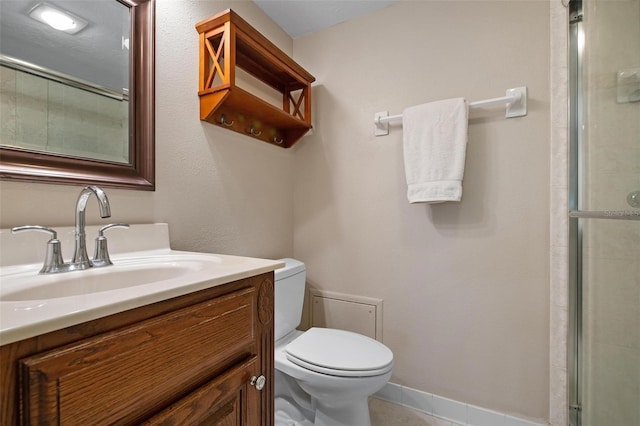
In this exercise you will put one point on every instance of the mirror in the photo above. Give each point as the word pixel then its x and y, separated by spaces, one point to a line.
pixel 99 109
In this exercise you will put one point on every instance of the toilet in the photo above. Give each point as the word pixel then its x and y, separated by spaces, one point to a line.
pixel 323 376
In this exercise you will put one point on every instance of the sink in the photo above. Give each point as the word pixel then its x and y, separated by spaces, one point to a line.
pixel 26 284
pixel 145 270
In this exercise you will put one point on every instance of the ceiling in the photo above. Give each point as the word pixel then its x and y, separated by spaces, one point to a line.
pixel 301 17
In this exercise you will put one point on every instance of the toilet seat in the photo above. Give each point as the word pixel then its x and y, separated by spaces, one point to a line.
pixel 339 353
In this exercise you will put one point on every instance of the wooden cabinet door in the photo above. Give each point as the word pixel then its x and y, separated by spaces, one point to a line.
pixel 124 376
pixel 228 400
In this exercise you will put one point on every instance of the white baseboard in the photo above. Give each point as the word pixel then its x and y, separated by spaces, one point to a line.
pixel 449 409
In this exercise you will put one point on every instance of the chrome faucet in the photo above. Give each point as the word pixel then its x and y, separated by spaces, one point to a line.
pixel 53 260
pixel 80 257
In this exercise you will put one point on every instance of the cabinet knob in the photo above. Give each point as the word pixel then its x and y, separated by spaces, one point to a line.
pixel 258 381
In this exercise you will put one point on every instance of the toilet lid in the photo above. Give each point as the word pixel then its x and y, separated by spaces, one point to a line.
pixel 339 353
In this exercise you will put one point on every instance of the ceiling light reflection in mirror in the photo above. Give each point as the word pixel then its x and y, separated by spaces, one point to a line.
pixel 56 18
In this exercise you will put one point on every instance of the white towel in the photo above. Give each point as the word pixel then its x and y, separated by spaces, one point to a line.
pixel 435 144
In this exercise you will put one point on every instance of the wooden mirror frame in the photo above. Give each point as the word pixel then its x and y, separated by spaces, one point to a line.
pixel 33 166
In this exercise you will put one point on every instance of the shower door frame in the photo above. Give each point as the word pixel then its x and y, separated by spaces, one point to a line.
pixel 576 121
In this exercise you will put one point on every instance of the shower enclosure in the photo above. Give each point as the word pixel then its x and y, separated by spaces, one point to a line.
pixel 604 352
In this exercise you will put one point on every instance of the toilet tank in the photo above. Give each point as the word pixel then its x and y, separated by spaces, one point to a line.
pixel 289 296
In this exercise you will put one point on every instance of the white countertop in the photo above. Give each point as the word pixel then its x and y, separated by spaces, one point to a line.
pixel 21 318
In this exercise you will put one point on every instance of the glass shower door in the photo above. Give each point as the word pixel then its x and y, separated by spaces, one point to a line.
pixel 611 322
pixel 605 208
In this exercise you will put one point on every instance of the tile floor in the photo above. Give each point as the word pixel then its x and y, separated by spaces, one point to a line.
pixel 384 413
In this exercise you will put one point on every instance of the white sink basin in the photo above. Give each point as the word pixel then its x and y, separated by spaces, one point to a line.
pixel 124 274
pixel 28 286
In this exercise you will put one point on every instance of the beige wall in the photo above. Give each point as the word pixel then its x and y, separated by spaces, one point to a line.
pixel 465 286
pixel 219 191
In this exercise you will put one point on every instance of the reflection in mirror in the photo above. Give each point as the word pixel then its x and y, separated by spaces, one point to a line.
pixel 67 100
pixel 67 113
pixel 46 115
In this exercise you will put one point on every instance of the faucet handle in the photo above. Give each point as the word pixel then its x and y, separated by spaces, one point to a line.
pixel 101 253
pixel 53 261
pixel 52 232
pixel 111 225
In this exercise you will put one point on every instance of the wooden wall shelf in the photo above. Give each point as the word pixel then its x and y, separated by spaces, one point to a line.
pixel 227 41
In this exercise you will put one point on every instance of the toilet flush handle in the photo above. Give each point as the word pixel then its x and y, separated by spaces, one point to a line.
pixel 258 381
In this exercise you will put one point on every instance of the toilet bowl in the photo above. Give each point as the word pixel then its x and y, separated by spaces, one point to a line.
pixel 325 375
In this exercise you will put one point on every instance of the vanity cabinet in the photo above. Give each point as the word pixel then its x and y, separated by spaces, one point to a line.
pixel 188 360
